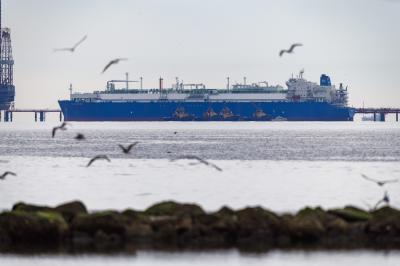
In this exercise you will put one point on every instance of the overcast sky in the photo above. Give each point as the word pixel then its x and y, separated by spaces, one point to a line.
pixel 354 41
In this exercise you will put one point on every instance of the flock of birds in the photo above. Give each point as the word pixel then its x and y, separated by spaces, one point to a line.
pixel 73 48
pixel 117 60
pixel 125 149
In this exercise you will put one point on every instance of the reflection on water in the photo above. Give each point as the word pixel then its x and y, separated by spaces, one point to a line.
pixel 278 258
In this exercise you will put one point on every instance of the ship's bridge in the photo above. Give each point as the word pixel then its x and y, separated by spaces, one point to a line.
pixel 299 89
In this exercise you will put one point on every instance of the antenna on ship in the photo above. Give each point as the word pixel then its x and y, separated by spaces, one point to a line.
pixel 127 80
pixel 227 83
pixel 301 73
pixel 141 83
pixel 70 90
pixel 244 81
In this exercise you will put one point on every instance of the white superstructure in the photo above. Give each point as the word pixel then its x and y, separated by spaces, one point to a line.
pixel 299 89
pixel 188 92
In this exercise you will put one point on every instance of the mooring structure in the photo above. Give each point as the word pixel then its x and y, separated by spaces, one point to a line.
pixel 382 112
pixel 39 114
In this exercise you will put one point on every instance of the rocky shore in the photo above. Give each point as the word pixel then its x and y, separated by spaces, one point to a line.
pixel 171 225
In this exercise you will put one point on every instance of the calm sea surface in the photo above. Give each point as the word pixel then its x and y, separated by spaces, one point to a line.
pixel 225 258
pixel 282 166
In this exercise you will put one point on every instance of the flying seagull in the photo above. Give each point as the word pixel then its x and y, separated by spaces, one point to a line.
pixel 290 49
pixel 80 136
pixel 3 176
pixel 385 199
pixel 63 127
pixel 98 157
pixel 193 157
pixel 112 62
pixel 72 49
pixel 127 149
pixel 380 183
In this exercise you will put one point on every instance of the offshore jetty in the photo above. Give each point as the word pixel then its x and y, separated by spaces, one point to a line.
pixel 171 225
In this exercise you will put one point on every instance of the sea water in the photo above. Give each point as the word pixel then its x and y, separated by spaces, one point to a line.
pixel 282 166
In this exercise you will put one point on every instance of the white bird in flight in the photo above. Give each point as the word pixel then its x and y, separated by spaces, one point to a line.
pixel 72 49
pixel 380 183
pixel 112 62
pixel 98 157
pixel 5 174
pixel 290 49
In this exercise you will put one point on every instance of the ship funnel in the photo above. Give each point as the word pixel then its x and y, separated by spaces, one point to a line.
pixel 325 80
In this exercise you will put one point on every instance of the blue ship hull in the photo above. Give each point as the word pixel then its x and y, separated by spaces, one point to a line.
pixel 165 111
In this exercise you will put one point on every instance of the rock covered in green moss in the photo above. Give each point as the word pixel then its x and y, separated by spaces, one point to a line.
pixel 307 225
pixel 225 211
pixel 328 222
pixel 172 224
pixel 255 224
pixel 385 221
pixel 24 207
pixel 351 214
pixel 31 227
pixel 171 208
pixel 109 222
pixel 138 226
pixel 56 219
pixel 71 209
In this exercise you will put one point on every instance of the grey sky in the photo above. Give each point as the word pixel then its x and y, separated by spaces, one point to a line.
pixel 353 41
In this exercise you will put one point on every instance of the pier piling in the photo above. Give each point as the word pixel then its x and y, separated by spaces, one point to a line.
pixel 42 117
pixel 39 114
pixel 382 117
pixel 6 116
pixel 382 112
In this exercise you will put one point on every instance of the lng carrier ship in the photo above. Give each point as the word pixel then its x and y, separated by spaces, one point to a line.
pixel 302 100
